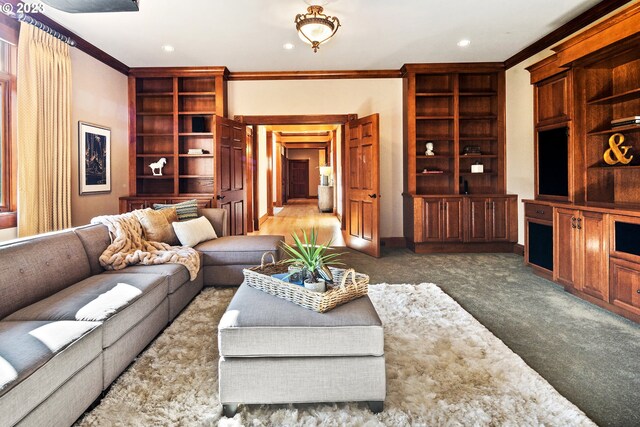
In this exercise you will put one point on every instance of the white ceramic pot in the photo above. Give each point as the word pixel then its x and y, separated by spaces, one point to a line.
pixel 319 286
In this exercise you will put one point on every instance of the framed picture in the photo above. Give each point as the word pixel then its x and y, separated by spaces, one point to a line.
pixel 95 165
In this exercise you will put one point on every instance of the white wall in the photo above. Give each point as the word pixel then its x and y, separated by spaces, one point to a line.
pixel 99 95
pixel 360 96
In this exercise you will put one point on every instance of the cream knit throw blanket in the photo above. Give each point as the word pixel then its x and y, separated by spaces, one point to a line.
pixel 128 247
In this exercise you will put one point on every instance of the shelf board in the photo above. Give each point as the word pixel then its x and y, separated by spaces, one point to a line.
pixel 479 117
pixel 435 138
pixel 434 117
pixel 478 138
pixel 196 93
pixel 195 134
pixel 433 174
pixel 436 156
pixel 614 167
pixel 151 94
pixel 489 173
pixel 154 155
pixel 478 156
pixel 197 113
pixel 196 176
pixel 434 94
pixel 196 155
pixel 154 134
pixel 619 97
pixel 154 113
pixel 479 93
pixel 154 177
pixel 629 128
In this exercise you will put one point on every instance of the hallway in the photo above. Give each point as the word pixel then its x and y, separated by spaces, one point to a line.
pixel 303 214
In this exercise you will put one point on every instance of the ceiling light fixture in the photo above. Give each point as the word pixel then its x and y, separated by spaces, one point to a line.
pixel 464 43
pixel 168 48
pixel 316 28
pixel 288 46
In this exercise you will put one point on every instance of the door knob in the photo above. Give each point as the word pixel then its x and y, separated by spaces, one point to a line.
pixel 218 197
pixel 373 196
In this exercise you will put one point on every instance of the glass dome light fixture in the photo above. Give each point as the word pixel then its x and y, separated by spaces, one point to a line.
pixel 316 28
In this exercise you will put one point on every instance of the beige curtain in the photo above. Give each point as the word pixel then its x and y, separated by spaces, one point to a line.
pixel 44 132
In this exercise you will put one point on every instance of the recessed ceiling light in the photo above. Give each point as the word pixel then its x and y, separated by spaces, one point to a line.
pixel 288 46
pixel 464 43
pixel 168 48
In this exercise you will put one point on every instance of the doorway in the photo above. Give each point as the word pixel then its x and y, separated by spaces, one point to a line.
pixel 298 179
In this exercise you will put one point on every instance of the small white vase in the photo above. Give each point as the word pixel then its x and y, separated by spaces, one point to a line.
pixel 319 286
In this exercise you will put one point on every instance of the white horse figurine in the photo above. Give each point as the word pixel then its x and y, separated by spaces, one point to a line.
pixel 158 165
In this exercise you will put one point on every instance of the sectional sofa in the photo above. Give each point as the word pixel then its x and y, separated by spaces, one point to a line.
pixel 59 347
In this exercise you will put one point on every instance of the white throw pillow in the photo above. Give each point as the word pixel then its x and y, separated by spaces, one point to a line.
pixel 194 231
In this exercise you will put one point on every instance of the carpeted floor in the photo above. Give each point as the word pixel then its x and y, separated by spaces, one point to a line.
pixel 443 368
pixel 588 354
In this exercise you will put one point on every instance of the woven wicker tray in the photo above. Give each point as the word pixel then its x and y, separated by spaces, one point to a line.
pixel 349 286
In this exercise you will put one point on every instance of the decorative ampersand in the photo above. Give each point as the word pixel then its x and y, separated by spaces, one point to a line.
pixel 619 151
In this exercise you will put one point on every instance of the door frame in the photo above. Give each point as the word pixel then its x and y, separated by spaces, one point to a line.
pixel 317 119
pixel 293 161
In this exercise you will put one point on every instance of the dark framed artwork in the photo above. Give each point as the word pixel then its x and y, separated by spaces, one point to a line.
pixel 94 155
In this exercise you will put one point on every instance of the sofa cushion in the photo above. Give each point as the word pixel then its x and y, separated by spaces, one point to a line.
pixel 37 357
pixel 33 269
pixel 95 239
pixel 151 290
pixel 257 324
pixel 246 250
pixel 157 225
pixel 176 274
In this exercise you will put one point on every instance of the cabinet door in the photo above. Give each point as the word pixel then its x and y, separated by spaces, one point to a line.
pixel 432 220
pixel 564 242
pixel 625 285
pixel 452 220
pixel 479 229
pixel 552 99
pixel 500 219
pixel 595 249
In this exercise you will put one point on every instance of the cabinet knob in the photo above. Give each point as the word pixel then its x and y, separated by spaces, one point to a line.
pixel 579 225
pixel 573 222
pixel 638 291
pixel 540 212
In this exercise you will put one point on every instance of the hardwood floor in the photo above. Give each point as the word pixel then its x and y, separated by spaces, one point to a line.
pixel 303 214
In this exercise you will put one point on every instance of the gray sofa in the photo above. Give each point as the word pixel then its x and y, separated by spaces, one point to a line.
pixel 52 365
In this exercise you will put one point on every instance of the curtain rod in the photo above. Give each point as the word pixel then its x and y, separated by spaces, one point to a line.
pixel 47 29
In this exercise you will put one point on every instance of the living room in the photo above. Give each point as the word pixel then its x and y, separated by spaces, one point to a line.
pixel 505 96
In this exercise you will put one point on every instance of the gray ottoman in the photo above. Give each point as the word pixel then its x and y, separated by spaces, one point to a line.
pixel 273 351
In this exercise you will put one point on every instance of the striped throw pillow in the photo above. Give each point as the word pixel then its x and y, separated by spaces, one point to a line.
pixel 186 210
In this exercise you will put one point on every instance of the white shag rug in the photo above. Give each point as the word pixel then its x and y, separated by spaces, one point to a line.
pixel 443 369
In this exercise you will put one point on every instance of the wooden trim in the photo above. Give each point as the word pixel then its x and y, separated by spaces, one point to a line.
pixel 518 249
pixel 263 218
pixel 296 120
pixel 576 24
pixel 8 220
pixel 314 75
pixel 269 173
pixel 452 67
pixel 178 71
pixel 300 146
pixel 393 242
pixel 494 247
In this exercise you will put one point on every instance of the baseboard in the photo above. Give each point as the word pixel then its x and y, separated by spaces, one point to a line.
pixel 393 242
pixel 518 249
pixel 263 218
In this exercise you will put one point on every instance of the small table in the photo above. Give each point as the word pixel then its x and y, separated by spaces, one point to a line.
pixel 274 352
pixel 325 198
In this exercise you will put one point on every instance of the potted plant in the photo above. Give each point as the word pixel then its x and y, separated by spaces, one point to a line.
pixel 313 259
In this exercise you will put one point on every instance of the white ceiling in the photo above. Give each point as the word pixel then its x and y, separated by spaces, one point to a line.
pixel 248 35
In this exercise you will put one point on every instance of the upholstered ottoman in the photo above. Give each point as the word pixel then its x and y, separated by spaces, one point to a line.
pixel 273 351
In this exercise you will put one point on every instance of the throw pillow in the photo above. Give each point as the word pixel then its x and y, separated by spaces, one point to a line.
pixel 194 231
pixel 185 210
pixel 156 227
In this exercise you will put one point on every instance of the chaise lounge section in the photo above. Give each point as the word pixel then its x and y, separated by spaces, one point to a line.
pixel 68 328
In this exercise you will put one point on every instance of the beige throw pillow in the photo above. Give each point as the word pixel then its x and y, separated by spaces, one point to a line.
pixel 194 231
pixel 156 225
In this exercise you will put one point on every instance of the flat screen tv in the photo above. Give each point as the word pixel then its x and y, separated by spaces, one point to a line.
pixel 553 162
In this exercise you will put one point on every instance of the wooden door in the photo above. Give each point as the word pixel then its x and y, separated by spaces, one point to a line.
pixel 250 162
pixel 452 220
pixel 479 227
pixel 432 220
pixel 595 249
pixel 500 219
pixel 230 140
pixel 564 243
pixel 298 179
pixel 362 185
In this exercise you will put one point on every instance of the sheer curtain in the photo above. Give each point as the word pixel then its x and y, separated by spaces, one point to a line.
pixel 44 132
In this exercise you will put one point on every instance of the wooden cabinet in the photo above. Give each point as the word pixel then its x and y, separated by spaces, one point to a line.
pixel 581 247
pixel 625 285
pixel 538 244
pixel 552 100
pixel 491 219
pixel 442 220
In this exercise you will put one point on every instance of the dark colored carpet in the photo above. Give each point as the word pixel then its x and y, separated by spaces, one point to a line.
pixel 591 356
